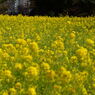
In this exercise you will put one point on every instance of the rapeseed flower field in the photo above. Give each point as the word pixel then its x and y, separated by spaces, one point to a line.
pixel 47 55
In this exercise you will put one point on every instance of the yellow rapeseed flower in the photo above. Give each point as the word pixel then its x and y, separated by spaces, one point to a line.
pixel 33 71
pixel 34 47
pixel 66 76
pixel 65 52
pixel 5 93
pixel 62 69
pixel 90 42
pixel 84 91
pixel 81 52
pixel 12 91
pixel 37 37
pixel 81 76
pixel 58 44
pixel 5 55
pixel 18 85
pixel 73 59
pixel 18 66
pixel 51 75
pixel 28 41
pixel 25 51
pixel 9 48
pixel 45 66
pixel 69 22
pixel 72 35
pixel 31 91
pixel 1 51
pixel 8 73
pixel 28 58
pixel 21 41
pixel 93 85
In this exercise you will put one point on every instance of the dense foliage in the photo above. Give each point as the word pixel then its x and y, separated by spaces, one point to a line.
pixel 2 1
pixel 47 56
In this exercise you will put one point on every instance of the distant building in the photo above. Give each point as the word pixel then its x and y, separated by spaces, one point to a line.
pixel 19 6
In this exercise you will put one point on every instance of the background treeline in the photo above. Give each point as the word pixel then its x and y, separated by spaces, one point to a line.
pixel 68 7
pixel 58 7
